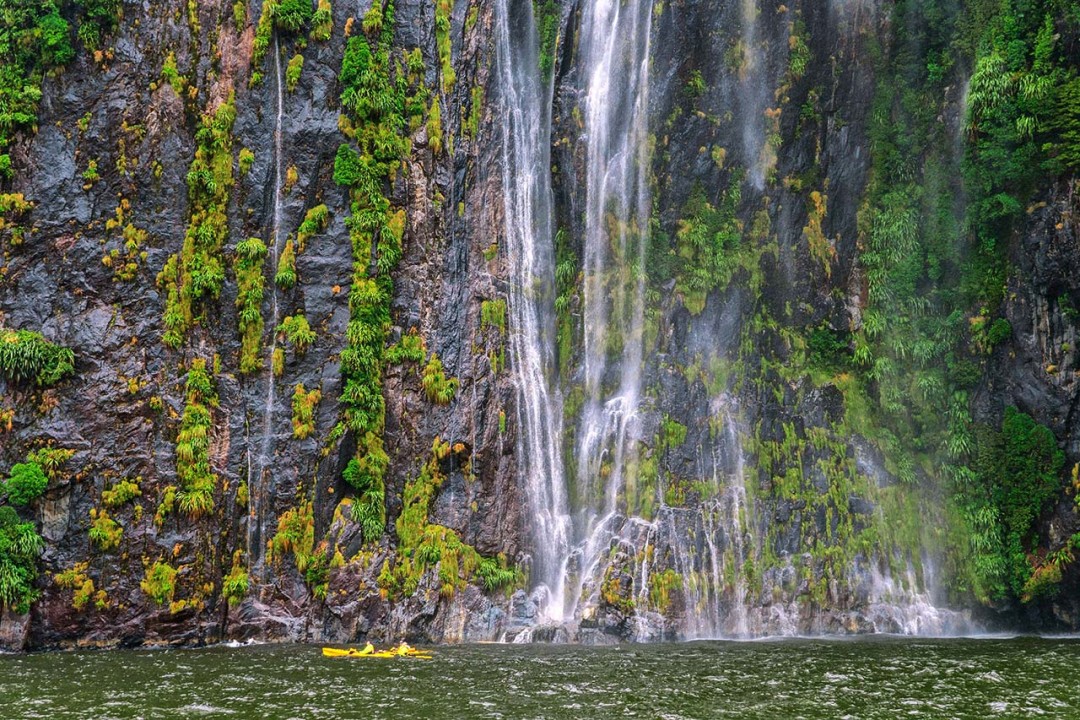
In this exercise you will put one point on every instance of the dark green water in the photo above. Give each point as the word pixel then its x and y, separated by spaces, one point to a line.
pixel 865 678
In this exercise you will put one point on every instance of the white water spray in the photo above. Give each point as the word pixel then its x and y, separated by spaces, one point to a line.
pixel 615 39
pixel 527 205
pixel 257 480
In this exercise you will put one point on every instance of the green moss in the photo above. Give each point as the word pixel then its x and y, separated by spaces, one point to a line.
pixel 442 43
pixel 423 546
pixel 546 15
pixel 409 349
pixel 493 315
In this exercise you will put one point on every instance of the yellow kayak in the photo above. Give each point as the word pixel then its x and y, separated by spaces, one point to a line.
pixel 383 654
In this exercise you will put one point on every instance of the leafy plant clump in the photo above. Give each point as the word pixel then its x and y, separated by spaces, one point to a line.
pixel 20 547
pixel 25 483
pixel 26 356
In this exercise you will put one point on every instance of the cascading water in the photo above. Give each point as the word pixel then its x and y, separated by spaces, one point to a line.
pixel 527 204
pixel 753 95
pixel 257 471
pixel 693 568
pixel 615 40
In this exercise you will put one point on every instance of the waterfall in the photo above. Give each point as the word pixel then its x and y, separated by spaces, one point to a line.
pixel 527 202
pixel 257 491
pixel 615 55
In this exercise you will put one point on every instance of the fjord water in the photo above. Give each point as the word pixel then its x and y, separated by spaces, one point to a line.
pixel 866 678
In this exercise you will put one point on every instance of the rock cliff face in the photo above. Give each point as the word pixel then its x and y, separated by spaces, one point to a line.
pixel 778 475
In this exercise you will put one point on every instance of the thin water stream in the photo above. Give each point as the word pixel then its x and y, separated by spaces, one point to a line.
pixel 257 473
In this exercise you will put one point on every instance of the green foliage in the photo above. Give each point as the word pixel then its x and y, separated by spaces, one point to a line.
pixel 495 575
pixel 239 9
pixel 250 282
pixel 304 403
pixel 293 15
pixel 695 86
pixel 708 242
pixel 410 349
pixel 245 159
pixel 547 14
pixel 26 356
pixel 322 22
pixel 423 546
pixel 121 492
pixel 493 314
pixel 234 586
pixel 285 278
pixel 34 38
pixel 195 497
pixel 437 386
pixel 26 483
pixel 159 582
pixel 296 536
pixel 373 97
pixel 20 547
pixel 297 331
pixel 442 44
pixel 1024 467
pixel 197 271
pixel 97 18
pixel 293 70
pixel 105 532
pixel 315 221
pixel 365 475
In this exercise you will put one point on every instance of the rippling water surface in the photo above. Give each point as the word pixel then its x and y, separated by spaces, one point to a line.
pixel 864 678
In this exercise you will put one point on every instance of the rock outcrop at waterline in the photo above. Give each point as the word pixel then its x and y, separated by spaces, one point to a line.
pixel 771 486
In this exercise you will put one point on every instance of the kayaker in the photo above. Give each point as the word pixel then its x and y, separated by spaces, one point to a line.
pixel 403 648
pixel 368 649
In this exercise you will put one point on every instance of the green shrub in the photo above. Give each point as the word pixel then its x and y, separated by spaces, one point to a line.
pixel 26 355
pixel 25 484
pixel 303 411
pixel 285 278
pixel 121 492
pixel 250 257
pixel 105 532
pixel 20 547
pixel 437 386
pixel 234 586
pixel 297 331
pixel 159 582
pixel 195 496
pixel 322 22
pixel 293 70
pixel 315 221
pixel 293 15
